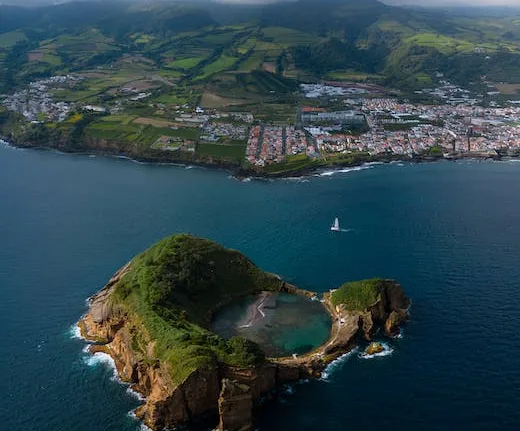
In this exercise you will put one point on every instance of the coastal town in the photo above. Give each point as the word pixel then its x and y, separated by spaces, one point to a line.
pixel 270 144
pixel 37 104
pixel 330 119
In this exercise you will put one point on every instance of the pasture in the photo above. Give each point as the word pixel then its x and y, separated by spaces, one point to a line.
pixel 8 40
pixel 222 151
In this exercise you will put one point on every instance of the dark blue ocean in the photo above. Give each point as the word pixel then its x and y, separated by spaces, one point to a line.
pixel 449 232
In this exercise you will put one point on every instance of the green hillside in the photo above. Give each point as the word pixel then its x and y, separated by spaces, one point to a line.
pixel 170 292
pixel 198 44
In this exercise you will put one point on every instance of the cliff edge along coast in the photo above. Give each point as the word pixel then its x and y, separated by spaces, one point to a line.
pixel 153 318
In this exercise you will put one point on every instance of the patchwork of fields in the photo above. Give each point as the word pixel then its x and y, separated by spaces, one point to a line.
pixel 156 85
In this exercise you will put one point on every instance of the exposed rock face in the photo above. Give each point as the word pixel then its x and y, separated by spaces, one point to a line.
pixel 393 322
pixel 167 404
pixel 389 312
pixel 374 348
pixel 213 391
pixel 235 406
pixel 200 397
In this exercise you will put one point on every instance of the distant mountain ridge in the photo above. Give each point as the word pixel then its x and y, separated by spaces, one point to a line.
pixel 304 39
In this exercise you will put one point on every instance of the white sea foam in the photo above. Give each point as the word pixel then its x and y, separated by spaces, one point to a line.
pixel 334 365
pixel 135 394
pixel 240 179
pixel 296 179
pixel 11 147
pixel 139 162
pixel 93 360
pixel 386 352
pixel 130 159
pixel 75 332
pixel 400 334
pixel 344 171
pixel 288 390
pixel 142 426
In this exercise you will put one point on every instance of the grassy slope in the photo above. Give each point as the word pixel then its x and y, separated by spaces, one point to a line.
pixel 170 292
pixel 7 40
pixel 406 46
pixel 358 295
pixel 226 152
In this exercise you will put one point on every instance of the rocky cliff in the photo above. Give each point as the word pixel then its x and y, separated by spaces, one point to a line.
pixel 202 397
pixel 377 303
pixel 187 374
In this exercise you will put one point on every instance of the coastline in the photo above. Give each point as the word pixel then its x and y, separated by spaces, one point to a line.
pixel 243 173
pixel 204 391
pixel 314 364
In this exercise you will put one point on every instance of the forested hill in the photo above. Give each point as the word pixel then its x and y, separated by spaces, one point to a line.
pixel 303 40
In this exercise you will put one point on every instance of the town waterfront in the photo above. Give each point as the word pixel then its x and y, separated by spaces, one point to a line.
pixel 448 232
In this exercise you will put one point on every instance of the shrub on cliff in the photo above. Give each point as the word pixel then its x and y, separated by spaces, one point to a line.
pixel 245 351
pixel 358 295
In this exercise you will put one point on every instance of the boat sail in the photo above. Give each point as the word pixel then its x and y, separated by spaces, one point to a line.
pixel 335 226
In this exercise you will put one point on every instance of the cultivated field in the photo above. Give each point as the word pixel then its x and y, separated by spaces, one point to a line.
pixel 508 89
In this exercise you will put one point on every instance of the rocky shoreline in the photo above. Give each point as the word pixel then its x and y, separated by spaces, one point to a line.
pixel 227 395
pixel 241 173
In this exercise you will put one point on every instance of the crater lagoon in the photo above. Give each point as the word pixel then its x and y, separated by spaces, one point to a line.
pixel 282 324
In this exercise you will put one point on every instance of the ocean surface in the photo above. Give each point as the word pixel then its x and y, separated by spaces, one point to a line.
pixel 449 232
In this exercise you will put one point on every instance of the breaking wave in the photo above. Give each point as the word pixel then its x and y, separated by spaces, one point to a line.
pixel 142 426
pixel 336 364
pixel 93 360
pixel 75 332
pixel 100 358
pixel 344 171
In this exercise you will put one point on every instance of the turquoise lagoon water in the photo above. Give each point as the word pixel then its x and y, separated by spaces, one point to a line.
pixel 286 325
pixel 449 232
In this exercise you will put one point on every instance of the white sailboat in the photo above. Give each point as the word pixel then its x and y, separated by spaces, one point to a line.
pixel 335 226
